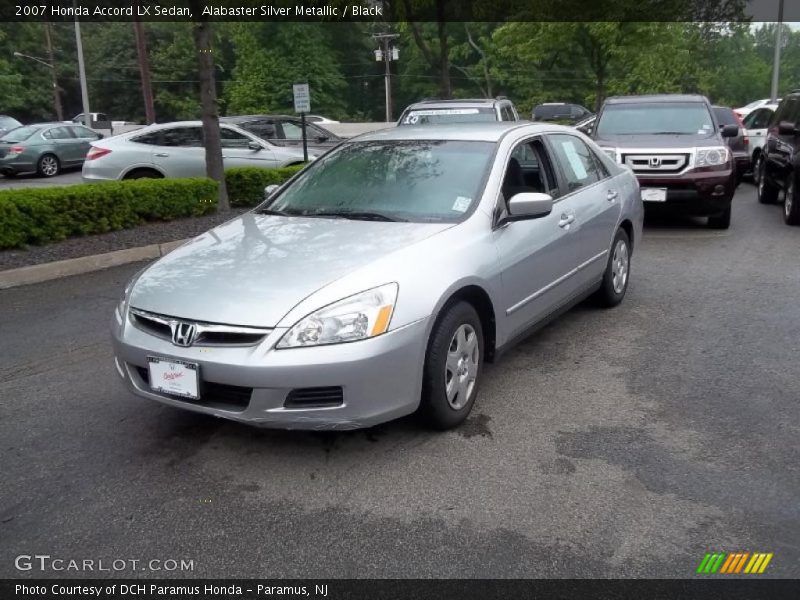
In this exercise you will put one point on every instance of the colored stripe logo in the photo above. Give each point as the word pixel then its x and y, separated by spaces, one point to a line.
pixel 733 563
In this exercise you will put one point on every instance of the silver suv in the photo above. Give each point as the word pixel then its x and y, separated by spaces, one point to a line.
pixel 430 112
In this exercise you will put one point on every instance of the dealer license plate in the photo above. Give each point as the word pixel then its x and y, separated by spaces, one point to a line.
pixel 654 194
pixel 175 377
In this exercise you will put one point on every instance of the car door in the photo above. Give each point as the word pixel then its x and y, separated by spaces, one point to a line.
pixel 179 151
pixel 237 150
pixel 83 139
pixel 536 256
pixel 65 145
pixel 756 126
pixel 780 147
pixel 597 204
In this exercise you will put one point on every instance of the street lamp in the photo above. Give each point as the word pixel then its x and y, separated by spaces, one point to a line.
pixel 387 54
pixel 53 76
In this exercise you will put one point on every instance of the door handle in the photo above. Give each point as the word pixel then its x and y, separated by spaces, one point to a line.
pixel 161 154
pixel 566 220
pixel 612 195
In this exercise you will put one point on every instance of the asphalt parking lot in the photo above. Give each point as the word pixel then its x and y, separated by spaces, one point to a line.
pixel 67 177
pixel 613 443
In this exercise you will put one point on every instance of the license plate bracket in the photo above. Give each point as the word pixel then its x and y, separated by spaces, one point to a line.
pixel 654 194
pixel 174 377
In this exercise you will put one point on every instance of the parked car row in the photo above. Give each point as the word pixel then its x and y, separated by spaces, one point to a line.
pixel 45 148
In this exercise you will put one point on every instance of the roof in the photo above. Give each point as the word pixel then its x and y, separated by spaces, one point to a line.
pixel 242 118
pixel 464 102
pixel 478 132
pixel 656 98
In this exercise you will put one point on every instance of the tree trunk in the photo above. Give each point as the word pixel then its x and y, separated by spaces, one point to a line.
pixel 144 71
pixel 215 168
pixel 53 73
pixel 445 89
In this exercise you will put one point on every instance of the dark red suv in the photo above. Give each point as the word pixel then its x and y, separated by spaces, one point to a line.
pixel 674 144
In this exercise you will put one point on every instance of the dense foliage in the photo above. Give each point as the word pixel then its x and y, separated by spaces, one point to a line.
pixel 246 184
pixel 257 63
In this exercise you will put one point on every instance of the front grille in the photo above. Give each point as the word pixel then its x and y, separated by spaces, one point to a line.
pixel 315 397
pixel 656 163
pixel 211 394
pixel 208 334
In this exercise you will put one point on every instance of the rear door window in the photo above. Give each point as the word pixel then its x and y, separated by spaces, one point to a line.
pixel 182 136
pixel 59 133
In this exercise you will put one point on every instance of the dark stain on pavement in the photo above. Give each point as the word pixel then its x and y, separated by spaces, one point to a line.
pixel 477 425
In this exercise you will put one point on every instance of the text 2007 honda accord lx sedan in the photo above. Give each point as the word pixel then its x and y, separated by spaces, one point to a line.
pixel 378 281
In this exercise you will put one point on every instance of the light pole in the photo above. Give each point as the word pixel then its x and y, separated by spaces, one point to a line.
pixel 87 116
pixel 387 54
pixel 54 77
pixel 776 61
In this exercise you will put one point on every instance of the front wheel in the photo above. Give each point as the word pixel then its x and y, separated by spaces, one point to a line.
pixel 767 192
pixel 791 206
pixel 48 166
pixel 615 279
pixel 757 169
pixel 453 366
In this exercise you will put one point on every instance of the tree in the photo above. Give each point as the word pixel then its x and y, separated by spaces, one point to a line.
pixel 215 167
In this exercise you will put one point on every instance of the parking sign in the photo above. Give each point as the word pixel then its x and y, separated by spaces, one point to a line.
pixel 302 98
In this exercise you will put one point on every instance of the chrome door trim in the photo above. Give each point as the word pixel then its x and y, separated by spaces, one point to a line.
pixel 552 284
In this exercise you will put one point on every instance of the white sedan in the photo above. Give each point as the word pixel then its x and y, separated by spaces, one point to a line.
pixel 756 131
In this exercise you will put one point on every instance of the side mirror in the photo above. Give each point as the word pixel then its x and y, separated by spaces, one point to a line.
pixel 254 146
pixel 730 131
pixel 100 136
pixel 529 205
pixel 322 138
pixel 787 128
pixel 269 190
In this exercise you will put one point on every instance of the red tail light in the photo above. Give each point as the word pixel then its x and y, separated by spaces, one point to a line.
pixel 14 150
pixel 96 152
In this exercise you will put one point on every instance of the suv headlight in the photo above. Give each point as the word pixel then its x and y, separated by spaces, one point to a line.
pixel 712 157
pixel 357 317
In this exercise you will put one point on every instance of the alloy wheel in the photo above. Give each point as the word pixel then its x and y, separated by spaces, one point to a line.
pixel 619 266
pixel 49 166
pixel 461 367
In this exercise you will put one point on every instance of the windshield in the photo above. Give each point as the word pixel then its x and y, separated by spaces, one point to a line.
pixel 19 134
pixel 431 116
pixel 683 118
pixel 415 180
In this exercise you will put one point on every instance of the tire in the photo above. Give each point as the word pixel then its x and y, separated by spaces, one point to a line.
pixel 453 367
pixel 618 269
pixel 791 204
pixel 143 174
pixel 767 192
pixel 48 166
pixel 722 221
pixel 756 172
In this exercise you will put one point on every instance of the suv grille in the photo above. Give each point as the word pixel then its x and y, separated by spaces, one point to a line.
pixel 208 334
pixel 316 397
pixel 211 394
pixel 656 163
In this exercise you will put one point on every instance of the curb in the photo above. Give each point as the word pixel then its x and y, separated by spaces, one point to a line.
pixel 84 264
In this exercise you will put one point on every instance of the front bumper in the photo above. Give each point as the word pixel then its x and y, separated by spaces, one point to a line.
pixel 380 378
pixel 694 193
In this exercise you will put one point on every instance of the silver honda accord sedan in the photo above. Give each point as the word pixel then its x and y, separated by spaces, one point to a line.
pixel 378 281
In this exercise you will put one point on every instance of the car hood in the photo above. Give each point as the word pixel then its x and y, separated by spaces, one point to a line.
pixel 659 141
pixel 253 269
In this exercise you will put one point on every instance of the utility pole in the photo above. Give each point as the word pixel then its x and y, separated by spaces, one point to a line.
pixel 87 116
pixel 776 61
pixel 144 72
pixel 56 92
pixel 387 55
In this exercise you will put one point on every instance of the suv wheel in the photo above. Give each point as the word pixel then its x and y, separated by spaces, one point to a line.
pixel 791 205
pixel 453 366
pixel 756 169
pixel 721 221
pixel 767 192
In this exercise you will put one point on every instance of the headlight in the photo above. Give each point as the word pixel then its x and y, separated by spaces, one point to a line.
pixel 712 157
pixel 122 307
pixel 612 152
pixel 358 317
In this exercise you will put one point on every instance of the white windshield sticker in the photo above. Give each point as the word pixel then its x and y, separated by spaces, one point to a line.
pixel 462 204
pixel 574 160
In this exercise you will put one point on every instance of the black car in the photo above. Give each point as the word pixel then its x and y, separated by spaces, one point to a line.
pixel 285 130
pixel 780 164
pixel 561 112
pixel 676 148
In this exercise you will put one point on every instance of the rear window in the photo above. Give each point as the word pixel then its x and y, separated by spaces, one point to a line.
pixel 19 134
pixel 725 116
pixel 8 123
pixel 431 116
pixel 653 118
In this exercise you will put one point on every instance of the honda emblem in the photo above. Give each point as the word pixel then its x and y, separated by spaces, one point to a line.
pixel 183 334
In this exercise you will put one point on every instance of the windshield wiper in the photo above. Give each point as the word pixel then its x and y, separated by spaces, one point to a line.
pixel 355 215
